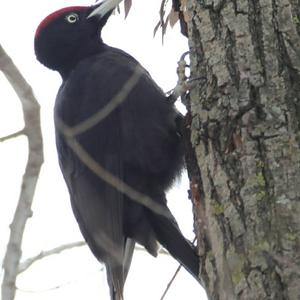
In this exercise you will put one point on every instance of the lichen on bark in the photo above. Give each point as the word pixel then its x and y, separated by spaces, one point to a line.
pixel 244 137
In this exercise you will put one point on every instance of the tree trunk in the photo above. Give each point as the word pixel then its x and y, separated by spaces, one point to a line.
pixel 244 156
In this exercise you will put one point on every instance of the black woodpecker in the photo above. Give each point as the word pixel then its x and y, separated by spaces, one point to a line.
pixel 130 132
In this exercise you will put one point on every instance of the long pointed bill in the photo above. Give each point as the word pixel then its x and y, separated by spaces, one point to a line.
pixel 104 7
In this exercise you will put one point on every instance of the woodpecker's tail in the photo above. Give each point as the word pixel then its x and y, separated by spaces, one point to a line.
pixel 169 236
pixel 115 280
pixel 117 271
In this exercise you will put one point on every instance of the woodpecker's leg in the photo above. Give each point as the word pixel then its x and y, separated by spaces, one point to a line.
pixel 184 83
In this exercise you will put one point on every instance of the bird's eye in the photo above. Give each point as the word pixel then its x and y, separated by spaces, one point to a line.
pixel 72 18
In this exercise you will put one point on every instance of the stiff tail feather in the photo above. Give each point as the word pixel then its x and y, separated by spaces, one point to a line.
pixel 117 273
pixel 169 236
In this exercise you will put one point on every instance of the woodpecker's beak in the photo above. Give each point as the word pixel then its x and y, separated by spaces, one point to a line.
pixel 102 8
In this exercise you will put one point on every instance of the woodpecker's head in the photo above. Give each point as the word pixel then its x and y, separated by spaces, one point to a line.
pixel 70 34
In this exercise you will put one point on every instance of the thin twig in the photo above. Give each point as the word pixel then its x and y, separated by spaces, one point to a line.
pixel 64 284
pixel 174 276
pixel 170 283
pixel 31 114
pixel 29 261
pixel 26 264
pixel 12 135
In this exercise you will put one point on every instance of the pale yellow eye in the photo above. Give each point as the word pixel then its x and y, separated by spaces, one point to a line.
pixel 72 18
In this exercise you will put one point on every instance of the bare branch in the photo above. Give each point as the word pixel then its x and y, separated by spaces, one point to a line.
pixel 26 264
pixel 29 261
pixel 11 136
pixel 31 114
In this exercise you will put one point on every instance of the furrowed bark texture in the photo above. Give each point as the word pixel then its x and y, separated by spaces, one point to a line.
pixel 244 161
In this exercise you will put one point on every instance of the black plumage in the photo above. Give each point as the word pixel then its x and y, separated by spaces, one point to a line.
pixel 137 142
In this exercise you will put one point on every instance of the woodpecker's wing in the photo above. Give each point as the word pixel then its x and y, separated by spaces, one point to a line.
pixel 98 208
pixel 97 205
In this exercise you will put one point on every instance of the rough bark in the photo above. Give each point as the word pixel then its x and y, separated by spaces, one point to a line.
pixel 244 160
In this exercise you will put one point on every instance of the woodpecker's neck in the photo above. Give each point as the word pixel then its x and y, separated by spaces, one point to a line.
pixel 84 51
